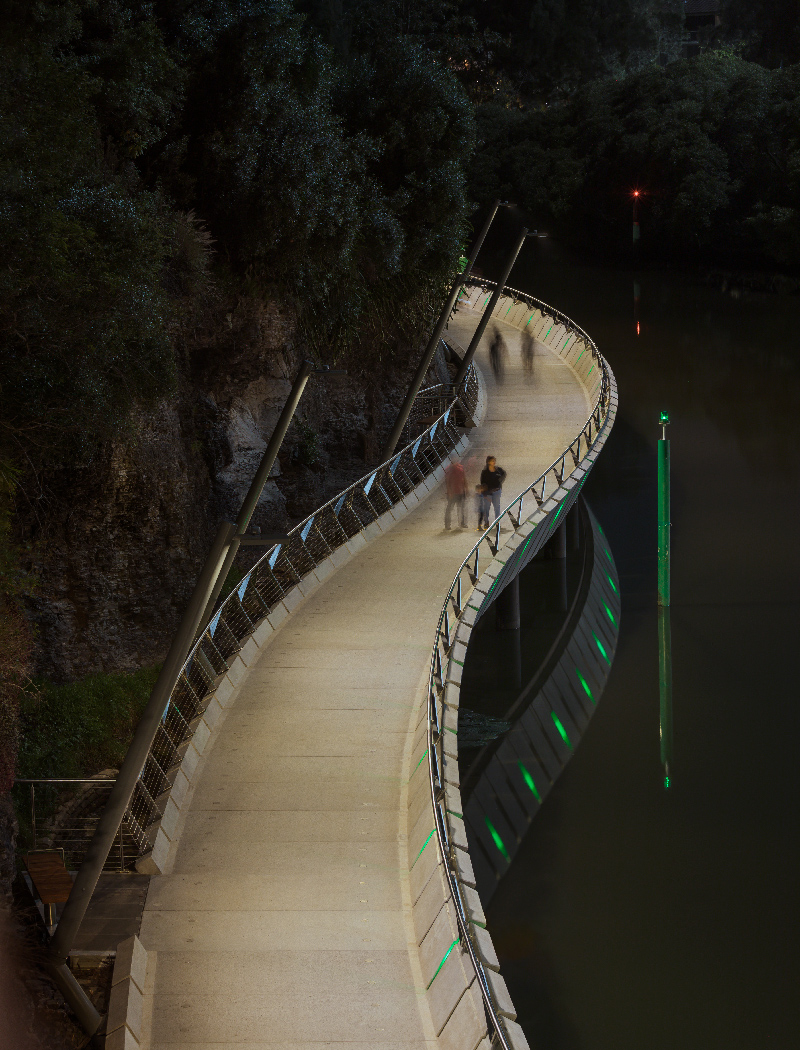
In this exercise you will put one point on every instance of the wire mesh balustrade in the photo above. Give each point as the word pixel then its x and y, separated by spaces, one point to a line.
pixel 280 569
pixel 550 500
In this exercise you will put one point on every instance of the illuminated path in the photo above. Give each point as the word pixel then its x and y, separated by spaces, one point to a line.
pixel 285 918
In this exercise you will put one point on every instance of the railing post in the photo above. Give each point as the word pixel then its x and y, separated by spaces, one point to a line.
pixel 433 342
pixel 487 313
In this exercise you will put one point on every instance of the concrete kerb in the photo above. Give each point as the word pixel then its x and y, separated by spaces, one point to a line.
pixel 458 995
pixel 125 1005
pixel 165 833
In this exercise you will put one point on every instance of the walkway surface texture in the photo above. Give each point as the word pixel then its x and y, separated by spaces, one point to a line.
pixel 285 920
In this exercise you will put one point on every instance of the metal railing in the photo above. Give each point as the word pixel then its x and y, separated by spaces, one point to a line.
pixel 70 816
pixel 279 570
pixel 548 508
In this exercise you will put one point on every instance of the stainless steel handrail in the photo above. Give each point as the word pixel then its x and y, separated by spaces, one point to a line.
pixel 458 596
pixel 276 573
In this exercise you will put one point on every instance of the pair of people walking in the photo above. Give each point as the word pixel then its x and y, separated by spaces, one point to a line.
pixel 488 493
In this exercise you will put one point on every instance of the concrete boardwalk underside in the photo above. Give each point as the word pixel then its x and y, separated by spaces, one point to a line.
pixel 285 919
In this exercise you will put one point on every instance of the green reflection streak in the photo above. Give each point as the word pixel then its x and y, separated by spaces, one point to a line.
pixel 562 731
pixel 529 781
pixel 585 685
pixel 497 840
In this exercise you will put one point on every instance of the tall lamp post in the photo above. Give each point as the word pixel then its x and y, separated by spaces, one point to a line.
pixel 487 313
pixel 204 597
pixel 436 335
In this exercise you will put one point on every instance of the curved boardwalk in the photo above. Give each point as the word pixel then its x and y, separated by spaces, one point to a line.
pixel 285 919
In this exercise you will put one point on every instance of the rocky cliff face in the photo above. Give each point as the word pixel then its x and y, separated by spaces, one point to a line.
pixel 116 546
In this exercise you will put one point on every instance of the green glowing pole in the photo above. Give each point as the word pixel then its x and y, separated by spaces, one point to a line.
pixel 664 626
pixel 665 690
pixel 663 514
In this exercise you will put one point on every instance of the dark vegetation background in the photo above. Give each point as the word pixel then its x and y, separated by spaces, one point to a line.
pixel 194 194
pixel 177 175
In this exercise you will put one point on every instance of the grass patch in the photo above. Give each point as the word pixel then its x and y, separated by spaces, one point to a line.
pixel 78 729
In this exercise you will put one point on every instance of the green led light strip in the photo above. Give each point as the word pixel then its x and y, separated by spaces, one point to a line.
pixel 613 585
pixel 609 613
pixel 580 355
pixel 601 647
pixel 497 840
pixel 590 371
pixel 444 960
pixel 562 731
pixel 608 555
pixel 529 781
pixel 486 300
pixel 530 319
pixel 585 685
pixel 549 330
pixel 427 840
pixel 508 311
pixel 416 767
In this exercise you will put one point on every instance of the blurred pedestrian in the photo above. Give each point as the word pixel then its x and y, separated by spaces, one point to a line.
pixel 492 478
pixel 527 355
pixel 455 480
pixel 497 354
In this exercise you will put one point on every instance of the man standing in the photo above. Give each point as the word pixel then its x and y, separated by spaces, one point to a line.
pixel 492 478
pixel 456 484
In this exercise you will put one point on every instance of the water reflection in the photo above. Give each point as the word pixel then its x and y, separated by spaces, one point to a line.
pixel 634 917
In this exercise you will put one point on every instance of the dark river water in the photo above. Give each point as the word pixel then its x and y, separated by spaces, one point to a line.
pixel 634 917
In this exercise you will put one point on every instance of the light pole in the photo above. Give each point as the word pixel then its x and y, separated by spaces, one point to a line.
pixel 436 335
pixel 204 597
pixel 487 313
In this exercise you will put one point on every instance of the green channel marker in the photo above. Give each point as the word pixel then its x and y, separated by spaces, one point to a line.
pixel 562 731
pixel 602 649
pixel 444 960
pixel 585 685
pixel 497 840
pixel 529 781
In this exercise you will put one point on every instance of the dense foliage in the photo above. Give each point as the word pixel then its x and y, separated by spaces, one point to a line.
pixel 134 134
pixel 713 145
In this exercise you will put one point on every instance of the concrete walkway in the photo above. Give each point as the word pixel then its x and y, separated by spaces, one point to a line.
pixel 285 921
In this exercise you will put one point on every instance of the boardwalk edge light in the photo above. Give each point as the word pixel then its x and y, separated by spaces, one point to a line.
pixel 488 566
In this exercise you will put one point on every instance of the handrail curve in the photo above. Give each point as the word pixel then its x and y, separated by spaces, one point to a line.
pixel 528 536
pixel 284 566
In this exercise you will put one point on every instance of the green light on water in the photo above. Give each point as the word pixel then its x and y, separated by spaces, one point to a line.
pixel 609 614
pixel 613 585
pixel 585 685
pixel 602 649
pixel 562 731
pixel 444 960
pixel 529 781
pixel 497 840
